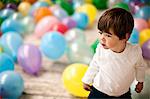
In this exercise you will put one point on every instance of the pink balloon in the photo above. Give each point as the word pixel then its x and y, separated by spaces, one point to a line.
pixel 30 59
pixel 44 25
pixel 140 24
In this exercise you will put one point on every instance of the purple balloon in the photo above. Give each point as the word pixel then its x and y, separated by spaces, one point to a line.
pixel 146 49
pixel 69 22
pixel 30 58
pixel 11 6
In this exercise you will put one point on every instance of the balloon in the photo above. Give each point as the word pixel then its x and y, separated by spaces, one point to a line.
pixel 44 25
pixel 81 20
pixel 53 45
pixel 30 58
pixel 72 76
pixel 74 35
pixel 111 3
pixel 1 49
pixel 60 13
pixel 29 24
pixel 143 12
pixel 134 38
pixel 30 1
pixel 90 10
pixel 1 5
pixel 11 42
pixel 69 22
pixel 12 25
pixel 16 16
pixel 77 3
pixel 94 45
pixel 41 12
pixel 6 63
pixel 79 52
pixel 37 5
pixel 11 6
pixel 144 36
pixel 47 1
pixel 1 20
pixel 24 8
pixel 138 22
pixel 122 5
pixel 5 13
pixel 66 6
pixel 11 85
pixel 146 49
pixel 100 4
pixel 60 27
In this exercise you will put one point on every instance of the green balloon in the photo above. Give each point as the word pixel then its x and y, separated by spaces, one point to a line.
pixel 66 6
pixel 1 20
pixel 122 5
pixel 94 45
pixel 100 4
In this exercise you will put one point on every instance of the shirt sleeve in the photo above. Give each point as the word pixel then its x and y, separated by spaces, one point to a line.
pixel 92 69
pixel 140 66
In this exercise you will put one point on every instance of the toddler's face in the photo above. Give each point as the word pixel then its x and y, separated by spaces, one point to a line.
pixel 111 41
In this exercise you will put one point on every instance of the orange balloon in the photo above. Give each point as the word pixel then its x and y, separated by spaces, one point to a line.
pixel 30 1
pixel 41 12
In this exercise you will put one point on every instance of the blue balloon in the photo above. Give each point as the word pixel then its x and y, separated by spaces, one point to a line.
pixel 53 45
pixel 12 25
pixel 11 85
pixel 81 20
pixel 134 38
pixel 10 43
pixel 5 13
pixel 143 13
pixel 6 63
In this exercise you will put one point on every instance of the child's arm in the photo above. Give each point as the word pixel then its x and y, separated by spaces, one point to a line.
pixel 140 71
pixel 92 69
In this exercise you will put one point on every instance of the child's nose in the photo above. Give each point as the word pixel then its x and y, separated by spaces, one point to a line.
pixel 102 37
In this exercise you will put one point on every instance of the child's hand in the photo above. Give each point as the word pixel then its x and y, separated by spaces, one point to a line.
pixel 87 87
pixel 139 87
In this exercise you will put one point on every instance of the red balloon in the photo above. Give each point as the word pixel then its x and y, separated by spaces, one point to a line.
pixel 0 97
pixel 62 28
pixel 0 36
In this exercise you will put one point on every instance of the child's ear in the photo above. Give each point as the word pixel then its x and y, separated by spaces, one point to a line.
pixel 127 36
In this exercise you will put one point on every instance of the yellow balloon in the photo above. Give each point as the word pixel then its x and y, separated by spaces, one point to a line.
pixel 1 49
pixel 1 5
pixel 88 1
pixel 90 10
pixel 24 8
pixel 72 77
pixel 48 1
pixel 144 36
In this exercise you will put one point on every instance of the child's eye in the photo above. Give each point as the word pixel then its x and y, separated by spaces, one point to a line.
pixel 108 35
pixel 100 32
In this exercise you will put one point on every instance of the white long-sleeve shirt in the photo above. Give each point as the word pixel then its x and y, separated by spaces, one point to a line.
pixel 113 73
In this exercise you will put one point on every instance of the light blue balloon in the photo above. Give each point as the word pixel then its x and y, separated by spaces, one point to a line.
pixel 36 6
pixel 53 45
pixel 81 20
pixel 143 13
pixel 12 25
pixel 134 38
pixel 60 13
pixel 6 62
pixel 11 42
pixel 5 13
pixel 11 85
